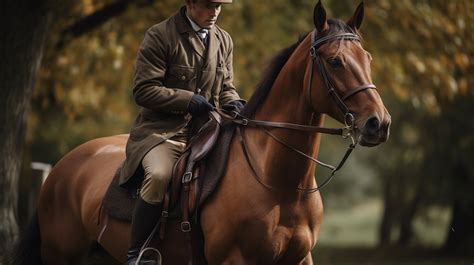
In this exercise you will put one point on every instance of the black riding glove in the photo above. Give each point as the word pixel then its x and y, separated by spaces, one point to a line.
pixel 236 105
pixel 199 105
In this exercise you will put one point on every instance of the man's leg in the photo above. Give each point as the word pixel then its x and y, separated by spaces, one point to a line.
pixel 158 166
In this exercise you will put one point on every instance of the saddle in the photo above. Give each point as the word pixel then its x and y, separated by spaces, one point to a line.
pixel 196 175
pixel 189 173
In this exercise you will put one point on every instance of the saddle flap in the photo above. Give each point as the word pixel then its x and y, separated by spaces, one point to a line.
pixel 201 144
pixel 178 172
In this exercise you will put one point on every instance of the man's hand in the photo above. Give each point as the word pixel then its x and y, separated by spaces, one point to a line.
pixel 236 105
pixel 199 105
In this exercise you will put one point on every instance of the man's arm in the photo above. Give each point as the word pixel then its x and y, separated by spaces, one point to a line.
pixel 229 92
pixel 149 90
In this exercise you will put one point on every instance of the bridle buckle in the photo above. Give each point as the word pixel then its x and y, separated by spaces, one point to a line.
pixel 349 120
pixel 346 132
pixel 312 51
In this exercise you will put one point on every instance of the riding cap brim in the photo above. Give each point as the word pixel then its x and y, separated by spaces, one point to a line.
pixel 221 1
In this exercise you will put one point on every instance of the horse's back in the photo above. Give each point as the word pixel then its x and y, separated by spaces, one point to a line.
pixel 70 198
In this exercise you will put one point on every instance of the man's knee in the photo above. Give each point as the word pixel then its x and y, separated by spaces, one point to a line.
pixel 154 185
pixel 159 176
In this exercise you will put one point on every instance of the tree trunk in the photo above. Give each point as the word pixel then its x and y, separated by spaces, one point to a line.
pixel 23 27
pixel 385 229
pixel 460 239
pixel 409 213
pixel 461 231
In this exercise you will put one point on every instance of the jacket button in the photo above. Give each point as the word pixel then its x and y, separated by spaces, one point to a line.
pixel 199 90
pixel 183 77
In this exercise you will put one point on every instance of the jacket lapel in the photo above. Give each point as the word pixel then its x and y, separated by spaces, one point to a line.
pixel 188 33
pixel 213 45
pixel 197 44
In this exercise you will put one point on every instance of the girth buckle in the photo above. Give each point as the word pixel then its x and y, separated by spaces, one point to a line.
pixel 187 177
pixel 186 226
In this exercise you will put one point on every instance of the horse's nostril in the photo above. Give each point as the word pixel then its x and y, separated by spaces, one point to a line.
pixel 372 125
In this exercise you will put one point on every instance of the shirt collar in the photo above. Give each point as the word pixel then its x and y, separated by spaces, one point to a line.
pixel 195 26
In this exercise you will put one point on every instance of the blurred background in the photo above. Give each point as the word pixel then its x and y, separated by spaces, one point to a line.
pixel 409 201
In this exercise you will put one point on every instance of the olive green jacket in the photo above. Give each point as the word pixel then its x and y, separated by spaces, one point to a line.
pixel 172 65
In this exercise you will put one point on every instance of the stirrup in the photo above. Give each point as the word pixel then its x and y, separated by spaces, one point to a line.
pixel 156 251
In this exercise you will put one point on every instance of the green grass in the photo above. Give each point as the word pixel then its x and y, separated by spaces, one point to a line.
pixel 388 256
pixel 355 226
pixel 358 226
pixel 349 237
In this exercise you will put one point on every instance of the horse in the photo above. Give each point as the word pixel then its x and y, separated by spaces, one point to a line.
pixel 267 208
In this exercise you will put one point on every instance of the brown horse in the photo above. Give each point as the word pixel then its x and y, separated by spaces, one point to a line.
pixel 265 210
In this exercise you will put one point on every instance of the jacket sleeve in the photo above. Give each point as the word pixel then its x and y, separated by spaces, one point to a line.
pixel 148 89
pixel 229 92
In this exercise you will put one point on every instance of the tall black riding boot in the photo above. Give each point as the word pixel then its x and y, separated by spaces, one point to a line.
pixel 145 217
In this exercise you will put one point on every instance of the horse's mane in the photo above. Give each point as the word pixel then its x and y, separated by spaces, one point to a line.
pixel 279 60
pixel 271 73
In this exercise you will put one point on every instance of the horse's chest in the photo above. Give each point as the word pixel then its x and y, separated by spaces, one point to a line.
pixel 291 244
pixel 284 235
pixel 281 243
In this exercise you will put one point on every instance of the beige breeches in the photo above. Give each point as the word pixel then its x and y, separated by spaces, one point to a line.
pixel 158 166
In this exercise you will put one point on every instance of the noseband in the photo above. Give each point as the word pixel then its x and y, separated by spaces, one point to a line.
pixel 349 118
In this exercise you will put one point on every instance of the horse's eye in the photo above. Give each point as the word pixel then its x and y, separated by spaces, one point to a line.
pixel 335 62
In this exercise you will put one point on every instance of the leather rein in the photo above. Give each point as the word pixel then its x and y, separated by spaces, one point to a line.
pixel 345 132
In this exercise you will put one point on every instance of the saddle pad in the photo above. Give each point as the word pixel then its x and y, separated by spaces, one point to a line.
pixel 119 202
pixel 216 163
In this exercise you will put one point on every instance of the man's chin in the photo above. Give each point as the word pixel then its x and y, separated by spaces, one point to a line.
pixel 209 25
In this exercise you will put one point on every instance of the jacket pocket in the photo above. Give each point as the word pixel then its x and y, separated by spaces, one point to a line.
pixel 178 76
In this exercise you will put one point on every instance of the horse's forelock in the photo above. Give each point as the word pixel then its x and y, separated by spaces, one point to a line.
pixel 337 26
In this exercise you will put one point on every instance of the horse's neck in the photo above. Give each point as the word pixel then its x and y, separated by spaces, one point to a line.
pixel 287 102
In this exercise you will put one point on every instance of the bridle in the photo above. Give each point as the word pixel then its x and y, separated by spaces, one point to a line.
pixel 349 118
pixel 345 132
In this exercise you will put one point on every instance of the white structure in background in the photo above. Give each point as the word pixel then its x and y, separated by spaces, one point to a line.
pixel 40 172
pixel 43 167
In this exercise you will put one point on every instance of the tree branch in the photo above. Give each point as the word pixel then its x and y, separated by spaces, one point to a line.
pixel 94 20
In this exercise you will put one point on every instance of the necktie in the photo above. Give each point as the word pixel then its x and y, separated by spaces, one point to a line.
pixel 202 33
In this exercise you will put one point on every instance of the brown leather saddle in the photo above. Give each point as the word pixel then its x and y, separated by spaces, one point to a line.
pixel 189 174
pixel 196 174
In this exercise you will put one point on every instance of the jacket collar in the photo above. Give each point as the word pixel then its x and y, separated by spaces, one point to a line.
pixel 183 26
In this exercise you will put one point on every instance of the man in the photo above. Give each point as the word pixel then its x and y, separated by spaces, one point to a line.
pixel 183 70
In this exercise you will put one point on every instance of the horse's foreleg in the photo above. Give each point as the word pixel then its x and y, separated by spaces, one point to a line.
pixel 308 260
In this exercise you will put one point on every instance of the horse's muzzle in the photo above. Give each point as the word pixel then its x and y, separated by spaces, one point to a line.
pixel 375 131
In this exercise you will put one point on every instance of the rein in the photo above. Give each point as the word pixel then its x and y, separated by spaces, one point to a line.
pixel 242 121
pixel 346 132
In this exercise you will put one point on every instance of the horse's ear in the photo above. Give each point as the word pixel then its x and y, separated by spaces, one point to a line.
pixel 319 17
pixel 356 20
